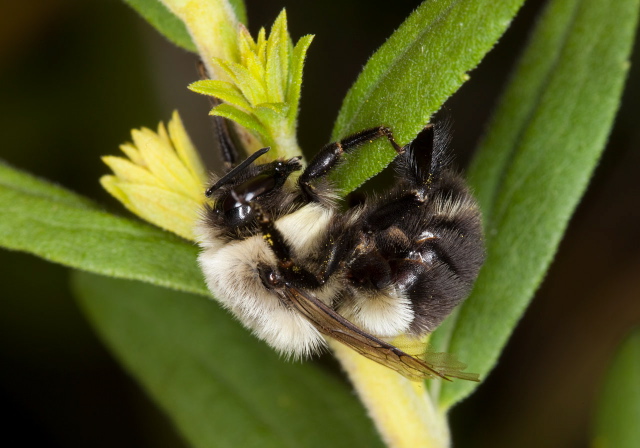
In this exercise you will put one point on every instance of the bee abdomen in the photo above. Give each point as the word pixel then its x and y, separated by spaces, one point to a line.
pixel 429 251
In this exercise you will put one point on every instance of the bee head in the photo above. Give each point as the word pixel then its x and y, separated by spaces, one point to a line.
pixel 237 192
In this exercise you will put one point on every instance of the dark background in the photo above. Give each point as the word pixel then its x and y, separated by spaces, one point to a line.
pixel 76 76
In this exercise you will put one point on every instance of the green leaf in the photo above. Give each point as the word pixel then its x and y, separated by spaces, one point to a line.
pixel 409 78
pixel 170 26
pixel 165 22
pixel 224 90
pixel 535 164
pixel 618 413
pixel 297 63
pixel 239 9
pixel 221 386
pixel 251 87
pixel 277 59
pixel 60 226
pixel 270 112
pixel 244 119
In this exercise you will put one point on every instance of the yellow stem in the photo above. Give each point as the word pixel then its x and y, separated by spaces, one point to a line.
pixel 401 409
pixel 286 142
pixel 213 26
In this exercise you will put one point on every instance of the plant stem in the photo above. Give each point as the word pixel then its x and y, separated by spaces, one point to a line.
pixel 213 28
pixel 402 410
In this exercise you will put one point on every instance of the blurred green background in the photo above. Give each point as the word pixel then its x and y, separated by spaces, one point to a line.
pixel 76 76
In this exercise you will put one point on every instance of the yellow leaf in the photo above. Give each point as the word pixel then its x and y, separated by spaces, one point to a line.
pixel 133 153
pixel 166 209
pixel 164 179
pixel 165 164
pixel 130 172
pixel 185 149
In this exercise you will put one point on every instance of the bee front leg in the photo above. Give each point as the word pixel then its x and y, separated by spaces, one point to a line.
pixel 290 271
pixel 330 155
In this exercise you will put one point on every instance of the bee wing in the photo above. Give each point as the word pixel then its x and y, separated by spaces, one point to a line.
pixel 332 324
pixel 449 365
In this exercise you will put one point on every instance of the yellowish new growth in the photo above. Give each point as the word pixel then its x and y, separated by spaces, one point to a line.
pixel 260 89
pixel 162 179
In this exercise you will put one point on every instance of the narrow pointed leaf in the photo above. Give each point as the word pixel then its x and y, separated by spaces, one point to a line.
pixel 132 153
pixel 244 119
pixel 274 74
pixel 223 90
pixel 409 78
pixel 129 171
pixel 251 87
pixel 220 386
pixel 297 64
pixel 164 21
pixel 246 44
pixel 261 46
pixel 254 65
pixel 535 164
pixel 185 149
pixel 60 226
pixel 164 163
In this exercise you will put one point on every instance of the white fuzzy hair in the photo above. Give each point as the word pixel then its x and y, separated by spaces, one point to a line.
pixel 232 276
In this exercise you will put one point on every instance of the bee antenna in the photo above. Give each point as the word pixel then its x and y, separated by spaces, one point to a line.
pixel 234 172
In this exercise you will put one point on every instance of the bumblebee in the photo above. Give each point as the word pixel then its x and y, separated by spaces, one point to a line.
pixel 294 265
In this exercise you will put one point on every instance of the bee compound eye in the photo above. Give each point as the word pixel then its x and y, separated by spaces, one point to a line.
pixel 239 216
pixel 270 278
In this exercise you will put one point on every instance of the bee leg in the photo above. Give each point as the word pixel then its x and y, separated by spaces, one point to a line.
pixel 337 250
pixel 429 229
pixel 330 155
pixel 290 271
pixel 227 148
pixel 426 157
pixel 423 182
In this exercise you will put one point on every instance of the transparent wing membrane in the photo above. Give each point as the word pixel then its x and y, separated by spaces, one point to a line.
pixel 332 324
